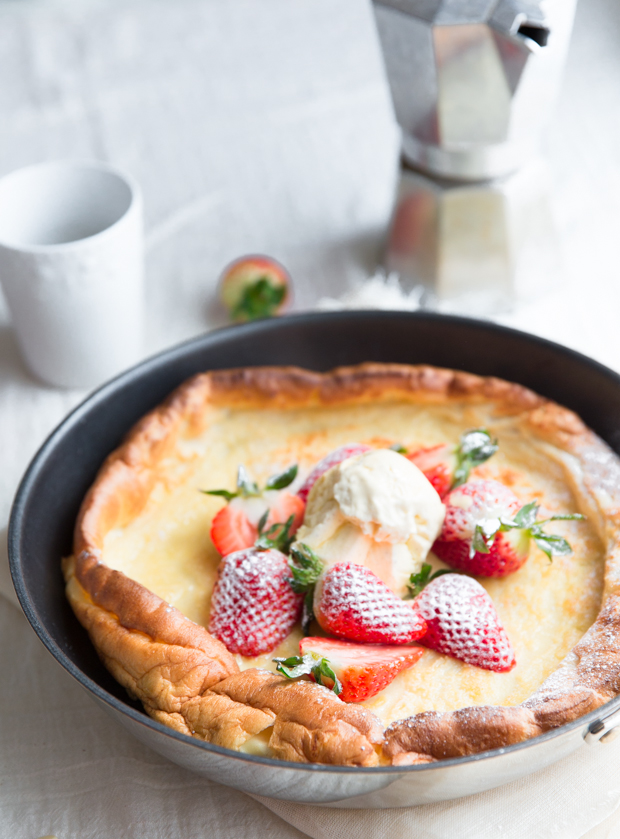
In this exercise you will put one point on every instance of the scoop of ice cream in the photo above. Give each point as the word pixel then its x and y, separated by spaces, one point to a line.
pixel 376 510
pixel 388 497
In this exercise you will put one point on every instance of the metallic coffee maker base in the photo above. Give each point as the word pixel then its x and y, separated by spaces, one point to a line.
pixel 478 248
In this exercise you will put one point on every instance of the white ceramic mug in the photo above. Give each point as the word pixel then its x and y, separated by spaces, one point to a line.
pixel 71 267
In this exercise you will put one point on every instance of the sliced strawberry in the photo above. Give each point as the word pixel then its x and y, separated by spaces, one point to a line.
pixel 252 511
pixel 253 607
pixel 332 459
pixel 438 464
pixel 362 669
pixel 353 603
pixel 231 530
pixel 485 532
pixel 463 623
pixel 354 672
pixel 447 467
pixel 285 506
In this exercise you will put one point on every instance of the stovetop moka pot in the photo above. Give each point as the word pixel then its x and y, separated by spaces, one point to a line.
pixel 473 81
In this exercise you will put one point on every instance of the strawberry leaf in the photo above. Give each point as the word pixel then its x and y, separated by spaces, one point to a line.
pixel 278 536
pixel 224 493
pixel 259 299
pixel 282 480
pixel 484 535
pixel 245 486
pixel 479 542
pixel 418 581
pixel 553 545
pixel 549 543
pixel 566 517
pixel 399 448
pixel 526 516
pixel 309 665
pixel 262 522
pixel 306 567
pixel 475 447
pixel 295 666
pixel 324 671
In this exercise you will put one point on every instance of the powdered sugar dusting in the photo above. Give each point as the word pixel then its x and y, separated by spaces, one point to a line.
pixel 253 607
pixel 474 502
pixel 352 602
pixel 463 623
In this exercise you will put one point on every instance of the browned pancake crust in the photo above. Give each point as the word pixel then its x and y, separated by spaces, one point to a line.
pixel 189 681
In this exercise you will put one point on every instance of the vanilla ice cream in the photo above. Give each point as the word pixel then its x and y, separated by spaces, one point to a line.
pixel 376 509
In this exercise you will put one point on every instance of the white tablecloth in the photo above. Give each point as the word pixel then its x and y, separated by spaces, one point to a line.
pixel 260 125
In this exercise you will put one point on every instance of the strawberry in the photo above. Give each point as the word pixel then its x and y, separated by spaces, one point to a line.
pixel 253 607
pixel 447 467
pixel 231 530
pixel 254 287
pixel 285 505
pixel 353 603
pixel 250 511
pixel 486 532
pixel 332 459
pixel 462 623
pixel 354 672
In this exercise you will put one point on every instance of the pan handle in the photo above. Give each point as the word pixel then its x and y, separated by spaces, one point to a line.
pixel 605 730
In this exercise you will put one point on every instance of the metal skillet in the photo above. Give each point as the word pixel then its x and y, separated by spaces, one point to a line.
pixel 50 494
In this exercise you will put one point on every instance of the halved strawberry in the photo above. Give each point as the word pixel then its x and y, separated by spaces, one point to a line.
pixel 353 603
pixel 463 623
pixel 486 532
pixel 332 459
pixel 447 467
pixel 253 607
pixel 353 671
pixel 438 464
pixel 284 506
pixel 251 511
pixel 231 530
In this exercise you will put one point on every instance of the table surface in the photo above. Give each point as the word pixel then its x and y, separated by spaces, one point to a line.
pixel 252 127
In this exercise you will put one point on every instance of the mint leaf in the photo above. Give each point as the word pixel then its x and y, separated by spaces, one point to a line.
pixel 282 480
pixel 259 299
